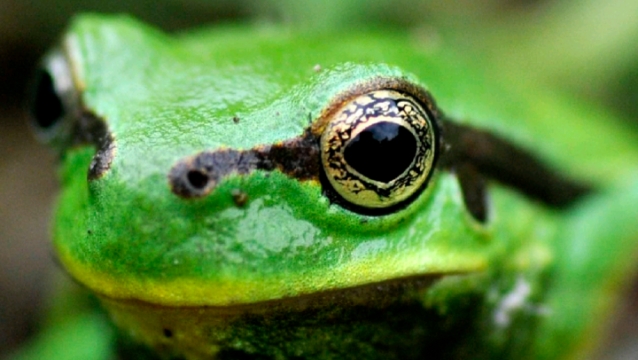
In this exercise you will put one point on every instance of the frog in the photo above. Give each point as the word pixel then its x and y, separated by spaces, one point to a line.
pixel 255 191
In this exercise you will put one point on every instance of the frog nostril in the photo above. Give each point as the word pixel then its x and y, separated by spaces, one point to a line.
pixel 197 179
pixel 190 180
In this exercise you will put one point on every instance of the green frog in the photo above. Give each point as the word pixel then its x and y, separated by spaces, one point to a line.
pixel 257 192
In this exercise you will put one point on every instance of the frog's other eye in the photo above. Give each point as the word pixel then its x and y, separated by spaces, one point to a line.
pixel 53 99
pixel 47 105
pixel 379 149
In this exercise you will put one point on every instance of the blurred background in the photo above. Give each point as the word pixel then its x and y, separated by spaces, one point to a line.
pixel 586 48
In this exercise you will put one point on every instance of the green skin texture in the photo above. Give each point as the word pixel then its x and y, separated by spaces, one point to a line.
pixel 166 98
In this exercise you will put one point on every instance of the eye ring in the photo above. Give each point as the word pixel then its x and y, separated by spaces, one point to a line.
pixel 379 149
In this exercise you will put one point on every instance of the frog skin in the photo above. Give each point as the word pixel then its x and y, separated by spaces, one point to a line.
pixel 209 198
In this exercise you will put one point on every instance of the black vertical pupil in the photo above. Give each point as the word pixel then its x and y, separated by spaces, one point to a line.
pixel 381 152
pixel 46 105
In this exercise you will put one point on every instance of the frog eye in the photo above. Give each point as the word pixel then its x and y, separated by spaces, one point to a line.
pixel 379 149
pixel 52 99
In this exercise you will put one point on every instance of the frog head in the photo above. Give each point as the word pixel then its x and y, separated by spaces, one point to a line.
pixel 199 176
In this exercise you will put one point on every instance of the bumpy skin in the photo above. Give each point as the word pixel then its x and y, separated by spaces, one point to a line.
pixel 195 278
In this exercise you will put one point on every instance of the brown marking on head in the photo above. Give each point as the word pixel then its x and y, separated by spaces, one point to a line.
pixel 299 157
pixel 198 175
pixel 101 162
pixel 91 129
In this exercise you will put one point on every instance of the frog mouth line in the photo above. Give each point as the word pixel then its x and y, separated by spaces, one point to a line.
pixel 376 295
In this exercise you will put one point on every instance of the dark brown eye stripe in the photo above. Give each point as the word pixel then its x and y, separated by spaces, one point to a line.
pixel 499 159
pixel 197 176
